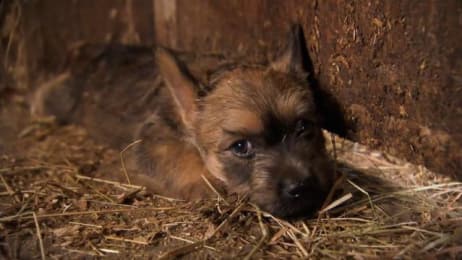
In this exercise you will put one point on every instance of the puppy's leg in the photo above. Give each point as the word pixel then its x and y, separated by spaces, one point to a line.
pixel 169 164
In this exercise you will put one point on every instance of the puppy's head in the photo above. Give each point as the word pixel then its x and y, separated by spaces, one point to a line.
pixel 257 131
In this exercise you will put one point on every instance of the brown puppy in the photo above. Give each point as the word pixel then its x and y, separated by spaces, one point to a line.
pixel 250 129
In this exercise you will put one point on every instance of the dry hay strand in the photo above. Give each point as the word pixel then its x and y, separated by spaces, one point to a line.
pixel 54 205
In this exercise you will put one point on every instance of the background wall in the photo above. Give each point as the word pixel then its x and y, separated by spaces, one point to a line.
pixel 395 67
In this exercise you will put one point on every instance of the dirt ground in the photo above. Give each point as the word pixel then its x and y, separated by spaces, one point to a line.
pixel 54 204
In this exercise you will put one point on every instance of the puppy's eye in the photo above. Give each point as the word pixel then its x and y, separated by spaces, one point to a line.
pixel 242 148
pixel 303 128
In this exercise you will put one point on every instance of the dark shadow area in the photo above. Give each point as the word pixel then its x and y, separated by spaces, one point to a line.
pixel 369 187
pixel 329 108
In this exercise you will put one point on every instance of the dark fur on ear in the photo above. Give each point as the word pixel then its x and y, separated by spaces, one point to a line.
pixel 296 60
pixel 292 58
pixel 181 85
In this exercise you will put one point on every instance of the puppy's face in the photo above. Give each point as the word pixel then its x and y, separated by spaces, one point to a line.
pixel 259 135
pixel 257 131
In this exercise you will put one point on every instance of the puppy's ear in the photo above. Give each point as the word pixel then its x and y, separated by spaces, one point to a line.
pixel 181 86
pixel 291 59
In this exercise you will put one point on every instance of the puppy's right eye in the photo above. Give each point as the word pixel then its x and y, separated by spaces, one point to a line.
pixel 242 148
pixel 303 128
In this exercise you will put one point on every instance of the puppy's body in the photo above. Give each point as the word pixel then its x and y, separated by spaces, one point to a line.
pixel 118 95
pixel 247 129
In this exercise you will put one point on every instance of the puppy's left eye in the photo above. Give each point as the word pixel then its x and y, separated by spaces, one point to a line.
pixel 303 127
pixel 242 148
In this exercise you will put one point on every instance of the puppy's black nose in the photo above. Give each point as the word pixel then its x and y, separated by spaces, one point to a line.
pixel 297 189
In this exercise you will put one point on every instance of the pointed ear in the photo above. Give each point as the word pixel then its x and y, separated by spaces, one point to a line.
pixel 291 59
pixel 181 86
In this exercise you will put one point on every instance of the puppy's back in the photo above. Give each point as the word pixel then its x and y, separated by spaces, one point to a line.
pixel 111 91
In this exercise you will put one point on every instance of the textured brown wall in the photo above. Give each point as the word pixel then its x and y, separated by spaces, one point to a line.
pixel 394 66
pixel 52 27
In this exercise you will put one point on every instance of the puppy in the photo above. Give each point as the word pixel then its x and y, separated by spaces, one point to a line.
pixel 248 129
